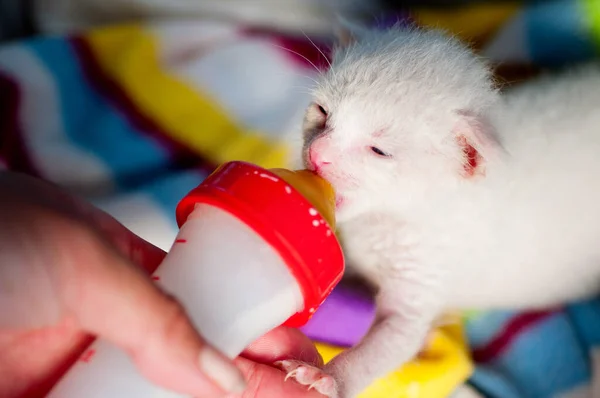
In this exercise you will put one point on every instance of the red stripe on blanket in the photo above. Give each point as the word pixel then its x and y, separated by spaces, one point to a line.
pixel 117 96
pixel 512 330
pixel 300 49
pixel 13 148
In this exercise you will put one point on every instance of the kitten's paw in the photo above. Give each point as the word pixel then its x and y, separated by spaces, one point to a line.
pixel 308 375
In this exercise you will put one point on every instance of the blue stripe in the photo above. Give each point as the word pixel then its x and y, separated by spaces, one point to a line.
pixel 92 124
pixel 545 361
pixel 585 316
pixel 482 328
pixel 557 33
pixel 168 191
pixel 494 383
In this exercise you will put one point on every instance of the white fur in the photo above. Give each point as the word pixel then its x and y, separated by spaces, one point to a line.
pixel 524 233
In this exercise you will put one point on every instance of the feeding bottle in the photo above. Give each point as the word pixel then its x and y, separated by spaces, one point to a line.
pixel 256 249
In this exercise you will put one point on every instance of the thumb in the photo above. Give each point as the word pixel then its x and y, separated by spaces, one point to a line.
pixel 115 300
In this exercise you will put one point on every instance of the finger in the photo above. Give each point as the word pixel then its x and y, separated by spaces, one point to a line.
pixel 22 191
pixel 267 382
pixel 139 251
pixel 35 245
pixel 283 343
pixel 118 302
pixel 32 362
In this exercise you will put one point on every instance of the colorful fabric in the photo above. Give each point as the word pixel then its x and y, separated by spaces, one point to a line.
pixel 134 116
pixel 541 354
pixel 444 364
pixel 519 39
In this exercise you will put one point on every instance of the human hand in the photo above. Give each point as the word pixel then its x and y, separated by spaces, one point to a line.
pixel 69 271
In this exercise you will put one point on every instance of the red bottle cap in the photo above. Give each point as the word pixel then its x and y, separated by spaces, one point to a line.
pixel 284 219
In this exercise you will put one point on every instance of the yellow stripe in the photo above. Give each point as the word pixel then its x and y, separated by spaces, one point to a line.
pixel 590 11
pixel 436 373
pixel 130 55
pixel 472 22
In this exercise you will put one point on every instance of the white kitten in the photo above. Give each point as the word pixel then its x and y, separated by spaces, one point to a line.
pixel 450 196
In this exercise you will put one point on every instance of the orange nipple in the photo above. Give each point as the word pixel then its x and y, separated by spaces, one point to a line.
pixel 314 188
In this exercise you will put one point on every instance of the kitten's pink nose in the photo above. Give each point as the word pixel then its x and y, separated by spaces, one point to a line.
pixel 316 160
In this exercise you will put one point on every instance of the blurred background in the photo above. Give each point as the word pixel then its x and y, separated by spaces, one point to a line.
pixel 131 103
pixel 26 17
pixel 546 33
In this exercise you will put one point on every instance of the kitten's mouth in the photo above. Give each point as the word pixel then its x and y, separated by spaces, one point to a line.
pixel 339 200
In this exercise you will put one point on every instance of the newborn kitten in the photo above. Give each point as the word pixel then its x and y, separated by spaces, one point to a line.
pixel 450 196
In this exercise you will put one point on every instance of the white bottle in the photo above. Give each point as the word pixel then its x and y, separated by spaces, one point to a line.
pixel 252 254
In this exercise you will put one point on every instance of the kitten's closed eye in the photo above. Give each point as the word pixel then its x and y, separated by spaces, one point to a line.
pixel 319 114
pixel 322 110
pixel 315 120
pixel 379 152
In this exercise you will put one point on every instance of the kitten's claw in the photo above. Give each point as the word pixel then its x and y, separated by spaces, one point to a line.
pixel 291 374
pixel 308 375
pixel 325 386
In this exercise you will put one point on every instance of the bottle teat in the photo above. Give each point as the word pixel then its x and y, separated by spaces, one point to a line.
pixel 314 188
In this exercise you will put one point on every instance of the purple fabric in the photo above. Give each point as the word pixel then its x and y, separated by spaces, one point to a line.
pixel 343 319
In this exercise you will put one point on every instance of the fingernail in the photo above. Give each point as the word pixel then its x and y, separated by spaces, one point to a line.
pixel 220 369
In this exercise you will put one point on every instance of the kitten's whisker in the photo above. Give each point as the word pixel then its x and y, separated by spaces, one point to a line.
pixel 310 78
pixel 302 90
pixel 318 49
pixel 300 55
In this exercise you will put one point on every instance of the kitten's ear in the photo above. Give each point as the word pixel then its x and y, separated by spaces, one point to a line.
pixel 347 32
pixel 479 143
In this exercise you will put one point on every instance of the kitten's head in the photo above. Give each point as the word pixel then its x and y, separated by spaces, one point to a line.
pixel 400 111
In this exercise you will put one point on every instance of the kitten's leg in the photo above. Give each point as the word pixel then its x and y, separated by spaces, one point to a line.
pixel 405 315
pixel 406 310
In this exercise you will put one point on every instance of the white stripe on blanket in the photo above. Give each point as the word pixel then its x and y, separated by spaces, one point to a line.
pixel 253 80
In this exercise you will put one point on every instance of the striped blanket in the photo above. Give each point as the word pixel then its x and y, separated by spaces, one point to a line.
pixel 134 116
